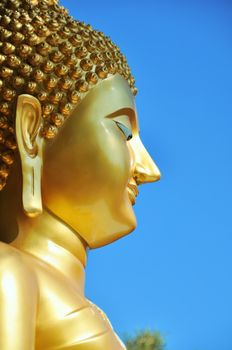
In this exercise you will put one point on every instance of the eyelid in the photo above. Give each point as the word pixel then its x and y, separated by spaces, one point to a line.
pixel 126 131
pixel 127 111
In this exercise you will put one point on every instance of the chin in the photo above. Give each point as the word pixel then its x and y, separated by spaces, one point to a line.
pixel 98 227
pixel 114 232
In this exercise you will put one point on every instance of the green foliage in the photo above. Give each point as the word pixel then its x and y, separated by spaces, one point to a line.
pixel 145 340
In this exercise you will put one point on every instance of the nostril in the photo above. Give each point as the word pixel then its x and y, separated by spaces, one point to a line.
pixel 142 175
pixel 145 170
pixel 140 178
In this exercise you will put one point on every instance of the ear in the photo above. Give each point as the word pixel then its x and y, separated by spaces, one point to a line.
pixel 28 124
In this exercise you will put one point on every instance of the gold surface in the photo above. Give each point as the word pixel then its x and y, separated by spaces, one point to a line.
pixel 88 184
pixel 64 196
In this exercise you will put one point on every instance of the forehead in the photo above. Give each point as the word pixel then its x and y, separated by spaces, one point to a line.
pixel 109 96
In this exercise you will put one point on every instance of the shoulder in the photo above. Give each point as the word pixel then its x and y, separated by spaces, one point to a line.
pixel 9 254
pixel 14 266
pixel 18 300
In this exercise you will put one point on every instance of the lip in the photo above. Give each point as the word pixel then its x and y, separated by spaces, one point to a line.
pixel 132 190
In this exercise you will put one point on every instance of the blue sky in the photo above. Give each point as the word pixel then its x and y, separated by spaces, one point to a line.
pixel 173 274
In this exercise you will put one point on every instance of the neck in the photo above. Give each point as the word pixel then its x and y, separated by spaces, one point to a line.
pixel 52 241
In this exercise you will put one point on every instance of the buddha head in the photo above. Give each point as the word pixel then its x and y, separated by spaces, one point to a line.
pixel 69 132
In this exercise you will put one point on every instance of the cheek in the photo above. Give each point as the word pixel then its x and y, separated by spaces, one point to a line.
pixel 103 167
pixel 93 165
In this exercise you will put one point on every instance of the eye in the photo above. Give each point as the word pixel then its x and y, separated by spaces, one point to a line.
pixel 126 131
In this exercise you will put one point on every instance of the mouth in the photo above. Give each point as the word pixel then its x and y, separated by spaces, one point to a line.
pixel 132 190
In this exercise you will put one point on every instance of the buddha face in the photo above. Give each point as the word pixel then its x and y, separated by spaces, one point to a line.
pixel 92 169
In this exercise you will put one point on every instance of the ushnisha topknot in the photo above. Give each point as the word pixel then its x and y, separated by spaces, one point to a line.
pixel 46 53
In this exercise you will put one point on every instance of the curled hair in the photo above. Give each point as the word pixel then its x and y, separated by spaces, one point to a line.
pixel 46 53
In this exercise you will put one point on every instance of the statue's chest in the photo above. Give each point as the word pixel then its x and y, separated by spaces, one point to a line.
pixel 68 321
pixel 84 329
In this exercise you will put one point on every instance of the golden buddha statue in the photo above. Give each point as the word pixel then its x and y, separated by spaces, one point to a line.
pixel 71 161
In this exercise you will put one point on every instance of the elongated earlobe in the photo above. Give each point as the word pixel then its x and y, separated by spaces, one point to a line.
pixel 28 123
pixel 31 192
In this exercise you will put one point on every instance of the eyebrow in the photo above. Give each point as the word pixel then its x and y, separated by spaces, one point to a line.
pixel 125 111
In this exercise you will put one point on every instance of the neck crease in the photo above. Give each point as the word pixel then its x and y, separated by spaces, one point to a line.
pixel 49 239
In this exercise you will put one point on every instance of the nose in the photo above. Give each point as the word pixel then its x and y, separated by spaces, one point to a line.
pixel 145 170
